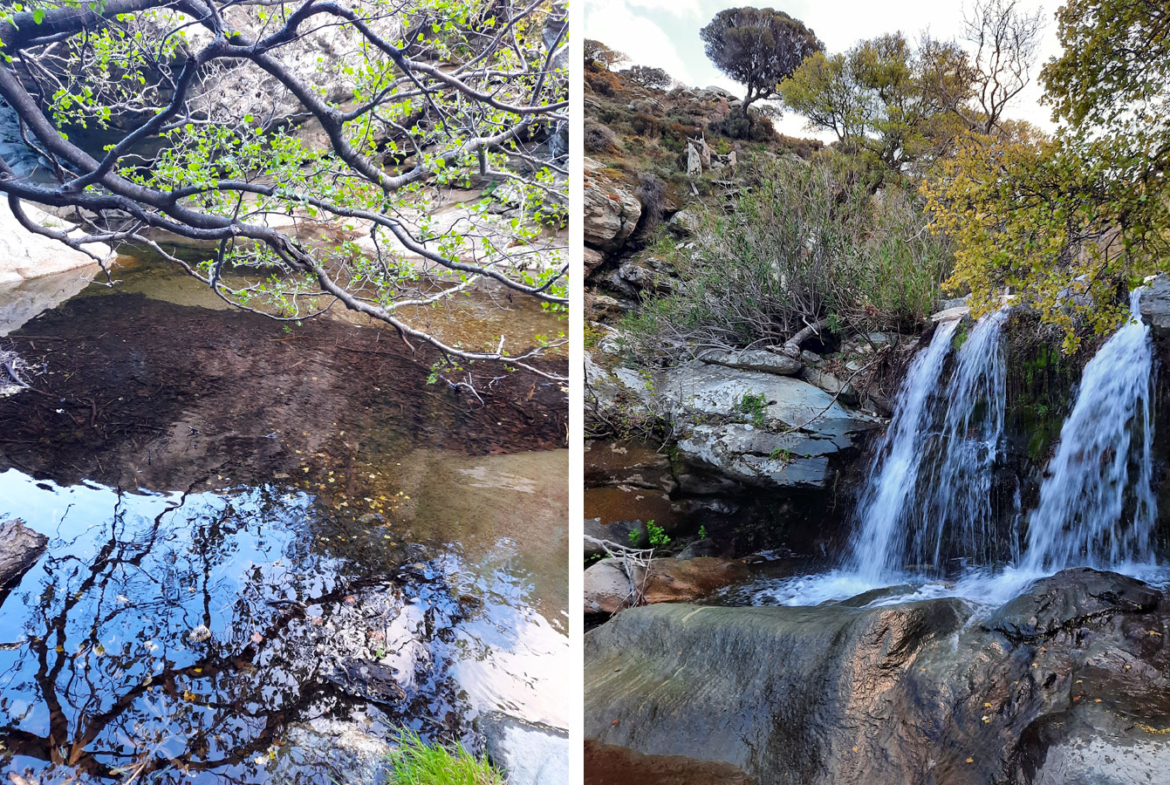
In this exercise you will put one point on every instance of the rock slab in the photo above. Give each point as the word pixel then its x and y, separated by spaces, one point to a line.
pixel 20 547
pixel 529 753
pixel 905 693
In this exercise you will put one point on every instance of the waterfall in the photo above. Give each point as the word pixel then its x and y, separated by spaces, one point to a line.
pixel 958 510
pixel 879 543
pixel 1080 518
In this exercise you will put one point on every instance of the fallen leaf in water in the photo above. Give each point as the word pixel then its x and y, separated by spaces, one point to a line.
pixel 970 760
pixel 350 599
pixel 257 637
pixel 16 779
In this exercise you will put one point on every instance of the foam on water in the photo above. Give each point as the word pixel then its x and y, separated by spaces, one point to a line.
pixel 982 587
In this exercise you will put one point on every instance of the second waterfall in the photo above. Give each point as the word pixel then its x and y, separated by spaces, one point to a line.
pixel 927 506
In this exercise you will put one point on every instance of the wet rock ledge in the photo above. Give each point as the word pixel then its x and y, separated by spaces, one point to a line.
pixel 1068 683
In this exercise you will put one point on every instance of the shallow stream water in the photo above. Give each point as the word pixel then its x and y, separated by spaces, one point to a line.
pixel 266 554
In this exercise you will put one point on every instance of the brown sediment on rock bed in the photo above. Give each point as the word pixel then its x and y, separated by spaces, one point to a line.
pixel 136 392
pixel 607 764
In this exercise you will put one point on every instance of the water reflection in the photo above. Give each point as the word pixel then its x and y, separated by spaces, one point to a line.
pixel 236 635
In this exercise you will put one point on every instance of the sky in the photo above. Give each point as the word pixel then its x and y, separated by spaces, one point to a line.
pixel 665 33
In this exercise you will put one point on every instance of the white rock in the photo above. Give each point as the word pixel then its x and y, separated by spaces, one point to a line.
pixel 24 255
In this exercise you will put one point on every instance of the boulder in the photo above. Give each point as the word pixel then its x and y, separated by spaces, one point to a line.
pixel 697 548
pixel 757 457
pixel 684 223
pixel 643 274
pixel 612 585
pixel 622 392
pixel 602 307
pixel 326 743
pixel 611 211
pixel 1068 600
pixel 904 693
pixel 20 548
pixel 593 259
pixel 607 587
pixel 694 161
pixel 719 391
pixel 1155 305
pixel 615 533
pixel 529 753
pixel 845 391
pixel 754 360
pixel 951 314
pixel 24 255
pixel 749 427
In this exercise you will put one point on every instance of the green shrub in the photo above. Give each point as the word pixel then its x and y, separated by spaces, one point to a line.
pixel 802 245
pixel 417 763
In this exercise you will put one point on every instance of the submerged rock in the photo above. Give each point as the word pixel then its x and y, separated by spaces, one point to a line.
pixel 608 764
pixel 908 693
pixel 367 680
pixel 199 635
pixel 353 750
pixel 20 547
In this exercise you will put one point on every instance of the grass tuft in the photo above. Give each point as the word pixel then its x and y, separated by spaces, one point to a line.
pixel 417 763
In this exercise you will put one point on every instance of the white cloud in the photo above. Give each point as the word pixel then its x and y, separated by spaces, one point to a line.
pixel 672 7
pixel 620 27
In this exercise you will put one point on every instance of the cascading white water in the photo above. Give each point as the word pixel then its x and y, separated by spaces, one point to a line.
pixel 958 505
pixel 928 495
pixel 1083 499
pixel 880 541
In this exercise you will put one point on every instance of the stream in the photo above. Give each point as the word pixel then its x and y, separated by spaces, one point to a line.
pixel 271 549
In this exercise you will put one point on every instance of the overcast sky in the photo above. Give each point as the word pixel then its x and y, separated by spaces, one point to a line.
pixel 665 33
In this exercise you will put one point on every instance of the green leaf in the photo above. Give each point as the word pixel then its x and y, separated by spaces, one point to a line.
pixel 39 15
